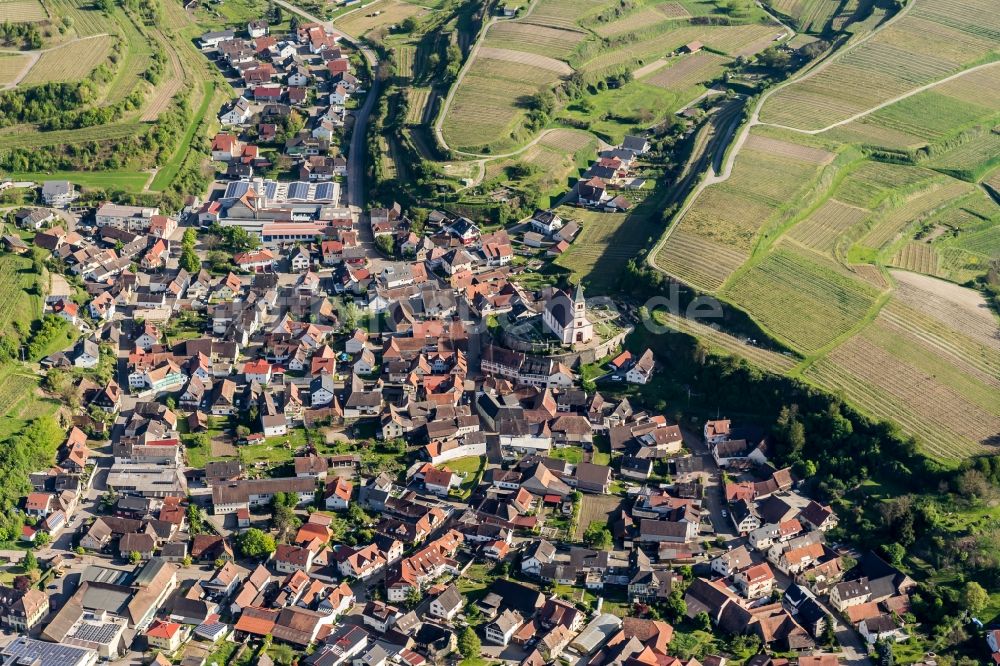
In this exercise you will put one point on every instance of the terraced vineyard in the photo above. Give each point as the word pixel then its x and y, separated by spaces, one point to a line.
pixel 486 107
pixel 808 15
pixel 697 260
pixel 530 38
pixel 689 71
pixel 11 66
pixel 769 360
pixel 970 160
pixel 597 39
pixel 802 303
pixel 768 173
pixel 941 382
pixel 917 257
pixel 827 224
pixel 605 244
pixel 70 62
pixel 22 11
pixel 932 40
pixel 918 207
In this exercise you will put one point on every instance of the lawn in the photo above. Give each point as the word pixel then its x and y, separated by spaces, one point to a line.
pixel 467 465
pixel 571 454
pixel 130 181
pixel 606 242
pixel 471 470
pixel 474 582
pixel 602 450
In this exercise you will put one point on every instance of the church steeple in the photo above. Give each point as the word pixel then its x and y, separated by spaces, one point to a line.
pixel 578 293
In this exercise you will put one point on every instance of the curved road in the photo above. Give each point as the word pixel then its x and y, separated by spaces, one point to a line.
pixel 458 81
pixel 355 195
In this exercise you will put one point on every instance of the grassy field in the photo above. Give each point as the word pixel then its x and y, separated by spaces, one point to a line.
pixel 376 15
pixel 606 242
pixel 21 297
pixel 557 160
pixel 126 180
pixel 167 171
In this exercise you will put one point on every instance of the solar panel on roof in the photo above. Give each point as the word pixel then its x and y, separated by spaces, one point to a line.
pixel 102 633
pixel 298 191
pixel 270 189
pixel 236 189
pixel 324 191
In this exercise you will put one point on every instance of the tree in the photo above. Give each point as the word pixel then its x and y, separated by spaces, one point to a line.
pixel 414 597
pixel 385 244
pixel 543 101
pixel 189 260
pixel 283 654
pixel 473 615
pixel 197 526
pixel 134 557
pixel 219 562
pixel 30 562
pixel 186 562
pixel 255 543
pixel 469 644
pixel 775 58
pixel 597 536
pixel 894 552
pixel 676 607
pixel 883 653
pixel 42 539
pixel 974 597
pixel 703 621
pixel 829 633
pixel 285 521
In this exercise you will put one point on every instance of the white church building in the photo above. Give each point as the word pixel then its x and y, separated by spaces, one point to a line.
pixel 566 317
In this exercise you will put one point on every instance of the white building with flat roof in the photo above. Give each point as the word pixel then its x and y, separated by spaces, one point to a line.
pixel 126 218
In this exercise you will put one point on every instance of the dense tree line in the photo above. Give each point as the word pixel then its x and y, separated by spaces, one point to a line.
pixel 27 105
pixel 32 449
pixel 22 35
